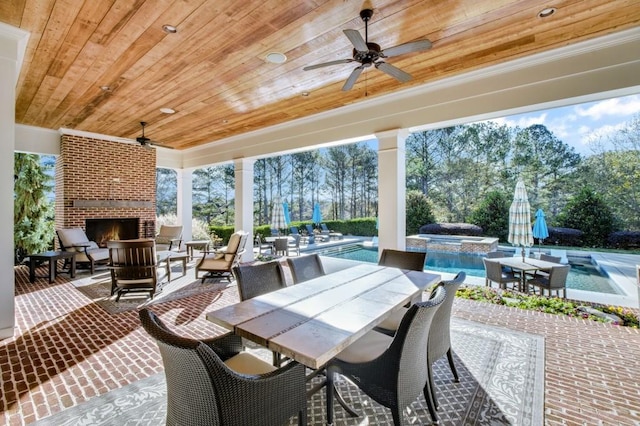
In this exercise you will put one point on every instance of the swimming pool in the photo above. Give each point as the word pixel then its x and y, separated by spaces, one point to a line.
pixel 583 276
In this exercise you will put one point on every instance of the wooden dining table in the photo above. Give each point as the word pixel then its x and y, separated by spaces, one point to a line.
pixel 529 265
pixel 313 321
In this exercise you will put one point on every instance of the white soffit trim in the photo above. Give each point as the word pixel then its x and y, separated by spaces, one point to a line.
pixel 579 70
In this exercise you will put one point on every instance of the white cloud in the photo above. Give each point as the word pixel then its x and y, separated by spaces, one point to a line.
pixel 611 107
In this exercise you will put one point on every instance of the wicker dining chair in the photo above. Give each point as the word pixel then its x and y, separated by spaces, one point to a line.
pixel 413 260
pixel 304 268
pixel 257 279
pixel 440 333
pixel 390 370
pixel 213 382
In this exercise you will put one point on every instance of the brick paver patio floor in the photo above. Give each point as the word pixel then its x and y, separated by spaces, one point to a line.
pixel 67 350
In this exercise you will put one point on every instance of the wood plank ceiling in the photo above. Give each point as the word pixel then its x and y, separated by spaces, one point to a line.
pixel 213 71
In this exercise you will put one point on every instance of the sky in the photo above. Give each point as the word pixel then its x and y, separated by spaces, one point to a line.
pixel 575 124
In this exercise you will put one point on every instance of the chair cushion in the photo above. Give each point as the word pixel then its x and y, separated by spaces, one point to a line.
pixel 246 363
pixel 366 348
pixel 71 236
pixel 211 263
pixel 99 254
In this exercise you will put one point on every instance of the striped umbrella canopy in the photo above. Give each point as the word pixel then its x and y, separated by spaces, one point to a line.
pixel 277 215
pixel 520 219
pixel 317 214
pixel 540 230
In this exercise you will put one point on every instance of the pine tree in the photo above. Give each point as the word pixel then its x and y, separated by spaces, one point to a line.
pixel 33 229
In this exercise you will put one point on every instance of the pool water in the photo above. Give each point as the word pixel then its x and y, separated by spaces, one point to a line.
pixel 583 276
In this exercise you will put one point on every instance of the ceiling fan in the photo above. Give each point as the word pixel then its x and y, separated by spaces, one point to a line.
pixel 148 143
pixel 368 54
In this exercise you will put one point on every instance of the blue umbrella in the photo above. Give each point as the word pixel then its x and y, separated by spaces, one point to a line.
pixel 317 215
pixel 287 215
pixel 540 230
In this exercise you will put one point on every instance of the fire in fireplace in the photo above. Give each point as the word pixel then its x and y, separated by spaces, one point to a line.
pixel 103 230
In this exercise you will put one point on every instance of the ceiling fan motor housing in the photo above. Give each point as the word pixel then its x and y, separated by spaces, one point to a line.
pixel 368 57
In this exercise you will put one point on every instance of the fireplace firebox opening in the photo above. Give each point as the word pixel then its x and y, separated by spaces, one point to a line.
pixel 103 230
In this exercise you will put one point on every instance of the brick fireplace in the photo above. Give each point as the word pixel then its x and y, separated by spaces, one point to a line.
pixel 100 179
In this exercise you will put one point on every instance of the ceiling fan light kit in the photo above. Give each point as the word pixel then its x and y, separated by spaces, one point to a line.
pixel 369 54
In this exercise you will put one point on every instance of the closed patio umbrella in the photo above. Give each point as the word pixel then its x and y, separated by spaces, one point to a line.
pixel 287 214
pixel 277 215
pixel 520 219
pixel 540 230
pixel 317 215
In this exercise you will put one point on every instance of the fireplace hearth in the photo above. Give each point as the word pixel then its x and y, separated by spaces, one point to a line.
pixel 103 230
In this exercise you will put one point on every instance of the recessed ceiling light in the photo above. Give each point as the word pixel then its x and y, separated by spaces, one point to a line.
pixel 225 121
pixel 105 88
pixel 169 29
pixel 276 58
pixel 305 93
pixel 167 110
pixel 546 12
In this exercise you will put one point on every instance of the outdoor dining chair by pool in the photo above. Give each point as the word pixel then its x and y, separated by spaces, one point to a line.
pixel 556 281
pixel 540 273
pixel 413 260
pixel 263 247
pixel 293 245
pixel 439 335
pixel 390 370
pixel 304 268
pixel 281 246
pixel 495 273
pixel 214 382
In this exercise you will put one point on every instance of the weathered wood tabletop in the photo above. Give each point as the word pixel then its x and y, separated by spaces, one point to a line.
pixel 313 321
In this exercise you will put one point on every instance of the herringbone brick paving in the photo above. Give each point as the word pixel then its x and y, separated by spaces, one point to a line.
pixel 66 350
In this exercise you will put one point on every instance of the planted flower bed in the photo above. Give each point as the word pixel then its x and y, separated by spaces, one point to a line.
pixel 551 305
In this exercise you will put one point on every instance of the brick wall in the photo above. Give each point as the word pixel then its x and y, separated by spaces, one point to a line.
pixel 104 171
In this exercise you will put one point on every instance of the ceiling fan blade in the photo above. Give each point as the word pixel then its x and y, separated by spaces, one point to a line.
pixel 352 78
pixel 401 49
pixel 326 64
pixel 357 40
pixel 394 72
pixel 159 145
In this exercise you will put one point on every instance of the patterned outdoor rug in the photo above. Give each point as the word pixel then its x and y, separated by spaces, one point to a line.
pixel 98 288
pixel 501 383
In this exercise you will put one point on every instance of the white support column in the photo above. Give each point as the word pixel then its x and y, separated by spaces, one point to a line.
pixel 391 189
pixel 12 44
pixel 244 202
pixel 185 202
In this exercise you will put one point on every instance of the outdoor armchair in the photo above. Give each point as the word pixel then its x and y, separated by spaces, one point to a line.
pixel 87 252
pixel 169 237
pixel 213 382
pixel 390 370
pixel 220 262
pixel 133 265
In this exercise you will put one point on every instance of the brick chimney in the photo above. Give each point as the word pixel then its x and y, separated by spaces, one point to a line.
pixel 104 179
